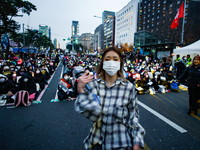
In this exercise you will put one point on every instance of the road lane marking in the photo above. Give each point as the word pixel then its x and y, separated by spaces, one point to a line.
pixel 146 147
pixel 158 98
pixel 56 96
pixel 196 117
pixel 41 94
pixel 167 99
pixel 172 124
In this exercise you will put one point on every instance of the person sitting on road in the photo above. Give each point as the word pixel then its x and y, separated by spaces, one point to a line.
pixel 39 78
pixel 45 73
pixel 68 70
pixel 7 72
pixel 62 93
pixel 21 71
pixel 7 87
pixel 27 83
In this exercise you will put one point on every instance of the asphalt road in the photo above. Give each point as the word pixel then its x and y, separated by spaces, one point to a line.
pixel 56 126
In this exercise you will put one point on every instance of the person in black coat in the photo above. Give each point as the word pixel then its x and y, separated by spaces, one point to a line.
pixel 7 86
pixel 27 83
pixel 39 78
pixel 180 68
pixel 70 93
pixel 192 77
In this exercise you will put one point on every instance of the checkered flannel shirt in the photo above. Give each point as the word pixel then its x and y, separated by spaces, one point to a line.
pixel 116 118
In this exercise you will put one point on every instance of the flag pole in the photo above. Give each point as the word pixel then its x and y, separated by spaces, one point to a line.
pixel 183 22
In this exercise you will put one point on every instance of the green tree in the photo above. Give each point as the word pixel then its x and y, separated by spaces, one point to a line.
pixel 10 9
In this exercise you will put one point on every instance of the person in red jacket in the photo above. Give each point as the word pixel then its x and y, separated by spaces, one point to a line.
pixel 64 60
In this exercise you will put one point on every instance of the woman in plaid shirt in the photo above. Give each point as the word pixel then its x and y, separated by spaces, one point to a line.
pixel 111 103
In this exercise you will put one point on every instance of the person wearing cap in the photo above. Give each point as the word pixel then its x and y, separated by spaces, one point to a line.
pixel 7 86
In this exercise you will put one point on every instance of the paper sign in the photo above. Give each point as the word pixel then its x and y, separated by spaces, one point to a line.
pixel 64 85
pixel 138 76
pixel 150 75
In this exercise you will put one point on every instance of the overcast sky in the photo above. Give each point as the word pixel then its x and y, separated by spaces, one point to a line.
pixel 58 14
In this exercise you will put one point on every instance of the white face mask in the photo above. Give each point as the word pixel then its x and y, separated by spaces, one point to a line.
pixel 38 71
pixel 2 80
pixel 66 77
pixel 25 79
pixel 111 67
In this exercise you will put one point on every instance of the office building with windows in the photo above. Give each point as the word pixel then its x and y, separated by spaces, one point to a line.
pixel 126 23
pixel 107 15
pixel 157 16
pixel 108 20
pixel 109 33
pixel 86 39
pixel 75 30
pixel 44 29
pixel 98 38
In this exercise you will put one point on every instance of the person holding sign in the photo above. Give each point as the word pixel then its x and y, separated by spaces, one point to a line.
pixel 65 88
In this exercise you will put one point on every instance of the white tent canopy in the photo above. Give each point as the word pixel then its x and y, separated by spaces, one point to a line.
pixel 192 49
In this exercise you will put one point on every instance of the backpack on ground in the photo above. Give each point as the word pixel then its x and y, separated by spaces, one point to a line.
pixel 22 99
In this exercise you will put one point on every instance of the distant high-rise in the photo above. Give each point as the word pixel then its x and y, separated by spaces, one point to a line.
pixel 107 15
pixel 50 33
pixel 75 30
pixel 98 38
pixel 55 43
pixel 44 29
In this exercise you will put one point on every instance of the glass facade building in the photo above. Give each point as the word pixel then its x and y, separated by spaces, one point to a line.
pixel 107 15
pixel 98 38
pixel 44 29
pixel 109 33
pixel 75 30
pixel 143 38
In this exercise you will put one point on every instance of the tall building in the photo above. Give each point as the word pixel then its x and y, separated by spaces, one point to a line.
pixel 86 39
pixel 50 33
pixel 75 30
pixel 98 38
pixel 157 16
pixel 126 23
pixel 107 15
pixel 55 43
pixel 44 29
pixel 109 33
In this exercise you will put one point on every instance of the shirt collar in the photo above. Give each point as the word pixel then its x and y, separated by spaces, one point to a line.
pixel 118 81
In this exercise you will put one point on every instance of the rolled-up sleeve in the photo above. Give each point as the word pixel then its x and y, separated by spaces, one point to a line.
pixel 86 105
pixel 136 131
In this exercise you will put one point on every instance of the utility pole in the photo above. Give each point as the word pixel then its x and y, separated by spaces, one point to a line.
pixel 183 22
pixel 23 38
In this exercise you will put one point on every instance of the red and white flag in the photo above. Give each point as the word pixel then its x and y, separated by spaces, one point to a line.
pixel 179 14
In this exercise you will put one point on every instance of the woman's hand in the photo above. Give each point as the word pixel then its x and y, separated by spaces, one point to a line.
pixel 136 147
pixel 82 81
